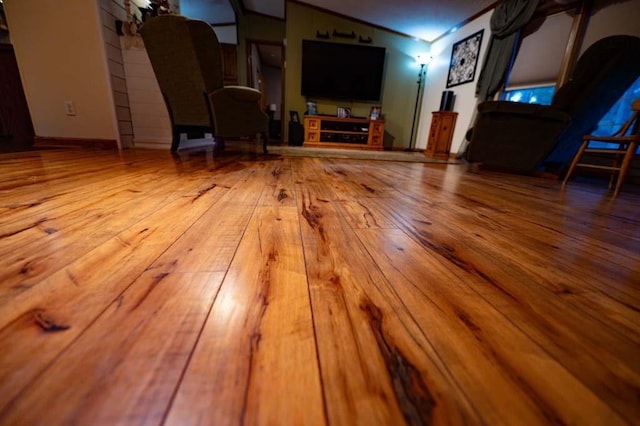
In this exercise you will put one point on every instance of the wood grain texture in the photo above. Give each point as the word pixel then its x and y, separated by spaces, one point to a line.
pixel 145 288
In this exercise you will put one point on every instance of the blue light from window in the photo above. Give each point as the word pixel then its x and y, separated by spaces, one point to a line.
pixel 617 116
pixel 541 95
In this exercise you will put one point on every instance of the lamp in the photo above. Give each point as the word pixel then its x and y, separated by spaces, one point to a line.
pixel 421 60
pixel 271 111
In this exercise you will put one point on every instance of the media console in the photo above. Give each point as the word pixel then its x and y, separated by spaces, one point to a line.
pixel 330 131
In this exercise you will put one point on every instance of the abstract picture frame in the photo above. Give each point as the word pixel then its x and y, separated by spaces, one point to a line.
pixel 464 59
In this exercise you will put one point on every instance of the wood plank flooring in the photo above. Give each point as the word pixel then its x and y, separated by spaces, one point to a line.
pixel 145 288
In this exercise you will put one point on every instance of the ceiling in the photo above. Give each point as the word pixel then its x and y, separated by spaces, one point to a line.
pixel 423 19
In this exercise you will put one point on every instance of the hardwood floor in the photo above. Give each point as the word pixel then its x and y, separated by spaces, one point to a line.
pixel 141 288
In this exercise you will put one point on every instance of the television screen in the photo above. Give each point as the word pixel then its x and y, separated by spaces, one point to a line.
pixel 342 71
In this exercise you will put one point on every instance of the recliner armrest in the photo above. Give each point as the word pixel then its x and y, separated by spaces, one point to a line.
pixel 519 108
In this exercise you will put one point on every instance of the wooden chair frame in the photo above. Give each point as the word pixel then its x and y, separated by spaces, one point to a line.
pixel 627 138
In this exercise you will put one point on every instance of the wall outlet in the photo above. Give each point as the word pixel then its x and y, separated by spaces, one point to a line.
pixel 69 108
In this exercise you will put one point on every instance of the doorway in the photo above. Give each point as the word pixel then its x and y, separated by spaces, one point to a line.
pixel 265 72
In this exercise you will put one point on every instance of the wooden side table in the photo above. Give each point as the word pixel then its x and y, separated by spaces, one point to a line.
pixel 443 123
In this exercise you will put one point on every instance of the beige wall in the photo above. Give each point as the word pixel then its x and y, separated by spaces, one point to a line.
pixel 399 88
pixel 61 55
pixel 618 18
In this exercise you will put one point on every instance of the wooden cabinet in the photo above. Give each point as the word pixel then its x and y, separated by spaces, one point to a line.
pixel 443 123
pixel 356 133
pixel 229 64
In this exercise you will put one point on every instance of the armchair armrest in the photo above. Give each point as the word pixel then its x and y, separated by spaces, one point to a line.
pixel 239 93
pixel 236 111
pixel 515 136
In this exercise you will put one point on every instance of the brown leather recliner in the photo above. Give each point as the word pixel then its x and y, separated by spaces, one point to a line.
pixel 523 137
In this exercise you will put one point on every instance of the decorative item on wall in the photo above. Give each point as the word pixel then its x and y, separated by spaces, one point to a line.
pixel 367 40
pixel 352 34
pixel 322 35
pixel 464 60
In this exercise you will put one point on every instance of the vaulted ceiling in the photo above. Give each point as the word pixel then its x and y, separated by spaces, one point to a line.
pixel 424 19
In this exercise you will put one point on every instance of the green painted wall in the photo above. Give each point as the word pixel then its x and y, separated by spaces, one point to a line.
pixel 399 88
pixel 255 27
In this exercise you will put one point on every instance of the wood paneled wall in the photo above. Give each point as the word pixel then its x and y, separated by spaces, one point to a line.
pixel 110 11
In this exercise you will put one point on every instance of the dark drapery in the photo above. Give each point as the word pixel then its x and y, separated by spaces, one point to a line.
pixel 506 21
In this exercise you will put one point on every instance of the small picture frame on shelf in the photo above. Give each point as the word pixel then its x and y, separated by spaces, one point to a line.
pixel 343 112
pixel 312 108
pixel 294 117
pixel 375 112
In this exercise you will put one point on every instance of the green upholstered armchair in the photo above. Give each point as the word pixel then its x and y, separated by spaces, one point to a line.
pixel 187 61
pixel 524 137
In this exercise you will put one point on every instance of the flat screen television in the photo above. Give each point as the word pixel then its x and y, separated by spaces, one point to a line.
pixel 342 71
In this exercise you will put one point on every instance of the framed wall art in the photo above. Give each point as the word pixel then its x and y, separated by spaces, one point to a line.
pixel 464 60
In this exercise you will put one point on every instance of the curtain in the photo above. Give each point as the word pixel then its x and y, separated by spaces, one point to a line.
pixel 506 21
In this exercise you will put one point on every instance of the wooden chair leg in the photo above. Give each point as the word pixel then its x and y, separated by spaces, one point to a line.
pixel 626 162
pixel 614 173
pixel 575 161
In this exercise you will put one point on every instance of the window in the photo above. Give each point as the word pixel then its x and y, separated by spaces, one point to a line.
pixel 530 95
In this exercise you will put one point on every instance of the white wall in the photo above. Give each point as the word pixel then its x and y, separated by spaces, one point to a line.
pixel 61 55
pixel 273 88
pixel 226 33
pixel 619 18
pixel 256 68
pixel 436 82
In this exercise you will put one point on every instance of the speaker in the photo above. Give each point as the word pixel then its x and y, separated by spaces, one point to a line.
pixel 296 134
pixel 446 102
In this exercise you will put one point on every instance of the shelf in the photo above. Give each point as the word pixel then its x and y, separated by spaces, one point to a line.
pixel 331 131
